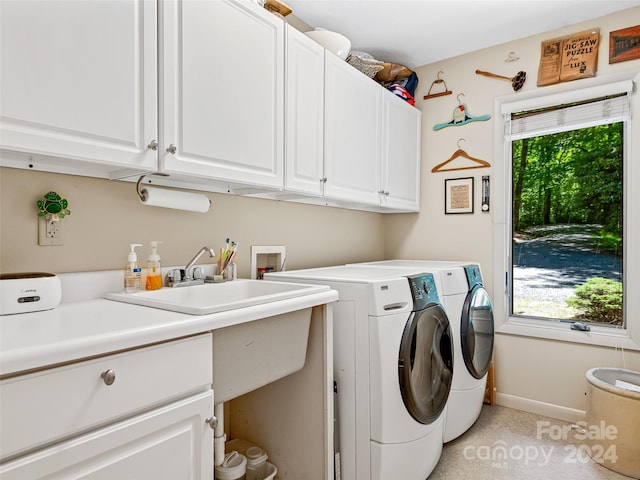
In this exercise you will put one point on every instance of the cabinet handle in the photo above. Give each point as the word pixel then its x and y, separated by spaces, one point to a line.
pixel 109 376
pixel 171 148
pixel 323 180
pixel 153 145
pixel 212 422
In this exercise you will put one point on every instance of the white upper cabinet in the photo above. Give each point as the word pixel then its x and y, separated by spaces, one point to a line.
pixel 214 93
pixel 304 115
pixel 222 85
pixel 370 158
pixel 352 126
pixel 401 130
pixel 79 83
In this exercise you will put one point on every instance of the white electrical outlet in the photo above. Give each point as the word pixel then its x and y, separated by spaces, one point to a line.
pixel 49 232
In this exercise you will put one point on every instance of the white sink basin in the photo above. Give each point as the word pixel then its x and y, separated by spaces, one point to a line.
pixel 217 297
pixel 250 354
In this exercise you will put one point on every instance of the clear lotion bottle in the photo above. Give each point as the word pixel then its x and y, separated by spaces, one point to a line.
pixel 132 271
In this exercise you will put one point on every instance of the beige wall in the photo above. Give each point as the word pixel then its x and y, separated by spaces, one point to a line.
pixel 106 216
pixel 533 374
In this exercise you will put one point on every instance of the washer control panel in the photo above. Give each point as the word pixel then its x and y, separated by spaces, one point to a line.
pixel 423 290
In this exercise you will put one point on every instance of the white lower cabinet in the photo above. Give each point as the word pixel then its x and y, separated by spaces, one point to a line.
pixel 168 443
pixel 138 414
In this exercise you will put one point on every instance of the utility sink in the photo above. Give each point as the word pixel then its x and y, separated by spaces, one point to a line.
pixel 249 354
pixel 217 297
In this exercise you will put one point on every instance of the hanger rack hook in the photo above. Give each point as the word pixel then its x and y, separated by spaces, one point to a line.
pixel 458 97
pixel 438 75
pixel 460 140
pixel 512 57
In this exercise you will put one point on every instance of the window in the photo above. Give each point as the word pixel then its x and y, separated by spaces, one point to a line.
pixel 564 245
pixel 567 219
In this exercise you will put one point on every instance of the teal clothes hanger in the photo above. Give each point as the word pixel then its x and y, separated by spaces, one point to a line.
pixel 461 116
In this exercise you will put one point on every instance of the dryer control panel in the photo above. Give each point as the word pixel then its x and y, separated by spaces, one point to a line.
pixel 423 290
pixel 474 277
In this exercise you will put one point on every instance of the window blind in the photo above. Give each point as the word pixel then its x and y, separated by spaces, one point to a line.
pixel 565 117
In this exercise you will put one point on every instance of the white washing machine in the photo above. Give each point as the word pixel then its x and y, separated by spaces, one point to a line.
pixel 393 364
pixel 469 309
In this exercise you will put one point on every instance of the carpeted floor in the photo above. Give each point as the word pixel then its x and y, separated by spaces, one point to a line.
pixel 507 444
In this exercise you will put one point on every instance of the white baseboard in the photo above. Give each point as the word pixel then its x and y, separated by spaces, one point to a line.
pixel 550 410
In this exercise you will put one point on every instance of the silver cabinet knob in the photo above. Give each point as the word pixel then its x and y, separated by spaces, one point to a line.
pixel 171 148
pixel 109 376
pixel 212 422
pixel 153 145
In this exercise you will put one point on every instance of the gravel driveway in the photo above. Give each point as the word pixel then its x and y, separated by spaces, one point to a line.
pixel 548 268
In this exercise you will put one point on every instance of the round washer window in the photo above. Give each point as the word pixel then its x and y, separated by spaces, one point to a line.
pixel 425 363
pixel 476 332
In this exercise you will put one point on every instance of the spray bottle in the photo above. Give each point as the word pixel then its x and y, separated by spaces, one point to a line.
pixel 154 272
pixel 132 272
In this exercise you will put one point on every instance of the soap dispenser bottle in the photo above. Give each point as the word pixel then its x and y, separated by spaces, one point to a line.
pixel 132 271
pixel 154 273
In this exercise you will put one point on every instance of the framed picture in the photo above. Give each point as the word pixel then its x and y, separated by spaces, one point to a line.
pixel 624 44
pixel 458 195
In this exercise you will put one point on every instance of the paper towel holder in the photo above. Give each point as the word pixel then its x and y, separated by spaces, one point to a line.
pixel 186 197
pixel 139 182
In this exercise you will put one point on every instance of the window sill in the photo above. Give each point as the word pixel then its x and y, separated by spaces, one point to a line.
pixel 561 332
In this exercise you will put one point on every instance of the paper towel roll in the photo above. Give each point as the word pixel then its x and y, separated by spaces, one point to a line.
pixel 162 197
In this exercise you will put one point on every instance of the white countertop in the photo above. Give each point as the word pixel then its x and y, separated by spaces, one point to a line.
pixel 97 326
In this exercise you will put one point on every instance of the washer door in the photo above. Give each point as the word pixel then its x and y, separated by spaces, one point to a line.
pixel 425 363
pixel 476 331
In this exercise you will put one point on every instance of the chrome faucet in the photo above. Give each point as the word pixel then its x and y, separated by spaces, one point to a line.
pixel 189 275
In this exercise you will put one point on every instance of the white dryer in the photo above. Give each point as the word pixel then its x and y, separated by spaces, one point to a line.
pixel 393 364
pixel 469 309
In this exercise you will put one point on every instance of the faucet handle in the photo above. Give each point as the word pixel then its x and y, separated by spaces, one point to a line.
pixel 197 273
pixel 175 276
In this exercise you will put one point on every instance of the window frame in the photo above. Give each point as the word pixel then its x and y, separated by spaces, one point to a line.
pixel 629 336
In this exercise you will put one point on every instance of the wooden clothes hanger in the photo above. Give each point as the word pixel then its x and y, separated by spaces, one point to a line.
pixel 437 81
pixel 456 154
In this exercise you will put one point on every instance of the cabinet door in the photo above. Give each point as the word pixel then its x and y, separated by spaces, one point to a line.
pixel 223 91
pixel 304 154
pixel 79 84
pixel 352 126
pixel 165 444
pixel 401 154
